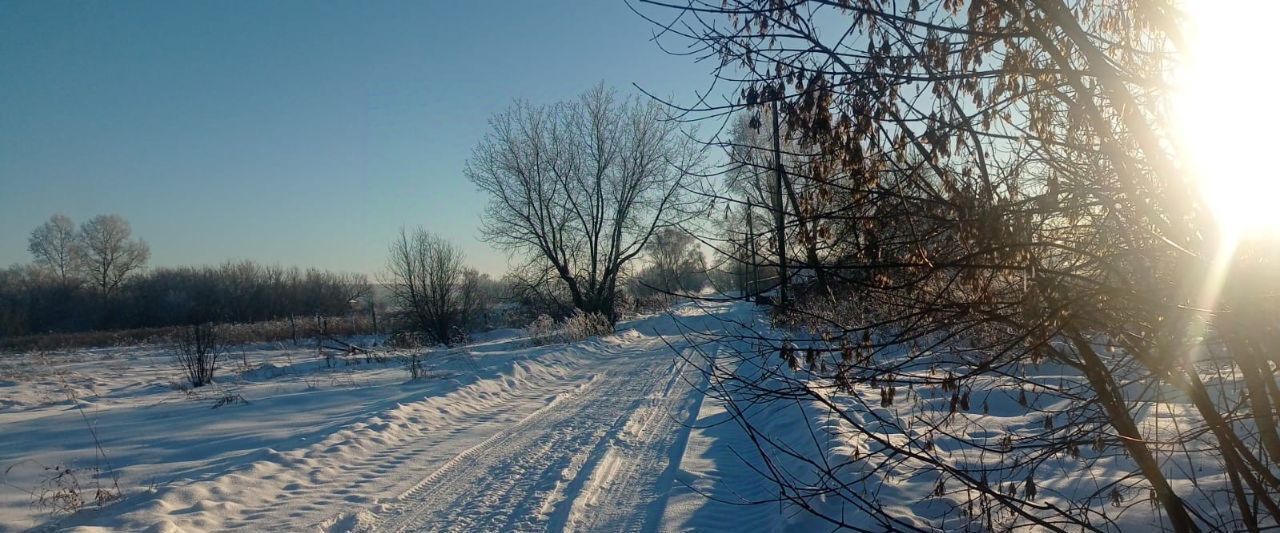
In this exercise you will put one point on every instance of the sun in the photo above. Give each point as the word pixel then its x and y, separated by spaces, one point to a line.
pixel 1228 111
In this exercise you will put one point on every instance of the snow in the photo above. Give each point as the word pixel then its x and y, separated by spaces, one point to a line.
pixel 499 436
pixel 306 434
pixel 612 433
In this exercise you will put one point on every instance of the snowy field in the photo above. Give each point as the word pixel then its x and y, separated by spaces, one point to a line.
pixel 615 433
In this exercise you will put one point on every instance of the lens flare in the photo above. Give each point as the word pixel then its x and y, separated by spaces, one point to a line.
pixel 1227 111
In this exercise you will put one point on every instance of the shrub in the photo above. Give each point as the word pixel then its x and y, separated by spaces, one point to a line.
pixel 407 340
pixel 542 330
pixel 196 351
pixel 229 398
pixel 653 303
pixel 413 363
pixel 61 493
pixel 577 327
pixel 584 326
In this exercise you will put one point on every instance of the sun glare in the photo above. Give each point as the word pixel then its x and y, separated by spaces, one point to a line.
pixel 1227 111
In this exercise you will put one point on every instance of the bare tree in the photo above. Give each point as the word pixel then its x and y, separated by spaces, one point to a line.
pixel 539 290
pixel 354 286
pixel 110 254
pixel 427 282
pixel 582 186
pixel 474 297
pixel 56 247
pixel 676 262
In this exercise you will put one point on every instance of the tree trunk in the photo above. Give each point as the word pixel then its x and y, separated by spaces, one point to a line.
pixel 1109 396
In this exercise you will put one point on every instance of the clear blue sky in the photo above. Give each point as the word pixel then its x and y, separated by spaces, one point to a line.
pixel 291 132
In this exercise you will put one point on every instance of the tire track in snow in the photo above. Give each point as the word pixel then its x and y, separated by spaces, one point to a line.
pixel 533 475
pixel 627 480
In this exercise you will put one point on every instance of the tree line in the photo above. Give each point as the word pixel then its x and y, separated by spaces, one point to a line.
pixel 95 277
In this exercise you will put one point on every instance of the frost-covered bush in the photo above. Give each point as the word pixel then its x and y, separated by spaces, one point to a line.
pixel 579 326
pixel 542 330
pixel 585 325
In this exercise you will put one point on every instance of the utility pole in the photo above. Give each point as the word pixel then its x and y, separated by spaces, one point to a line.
pixel 752 286
pixel 779 218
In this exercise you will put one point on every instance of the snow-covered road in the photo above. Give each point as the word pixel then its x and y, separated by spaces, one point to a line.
pixel 596 458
